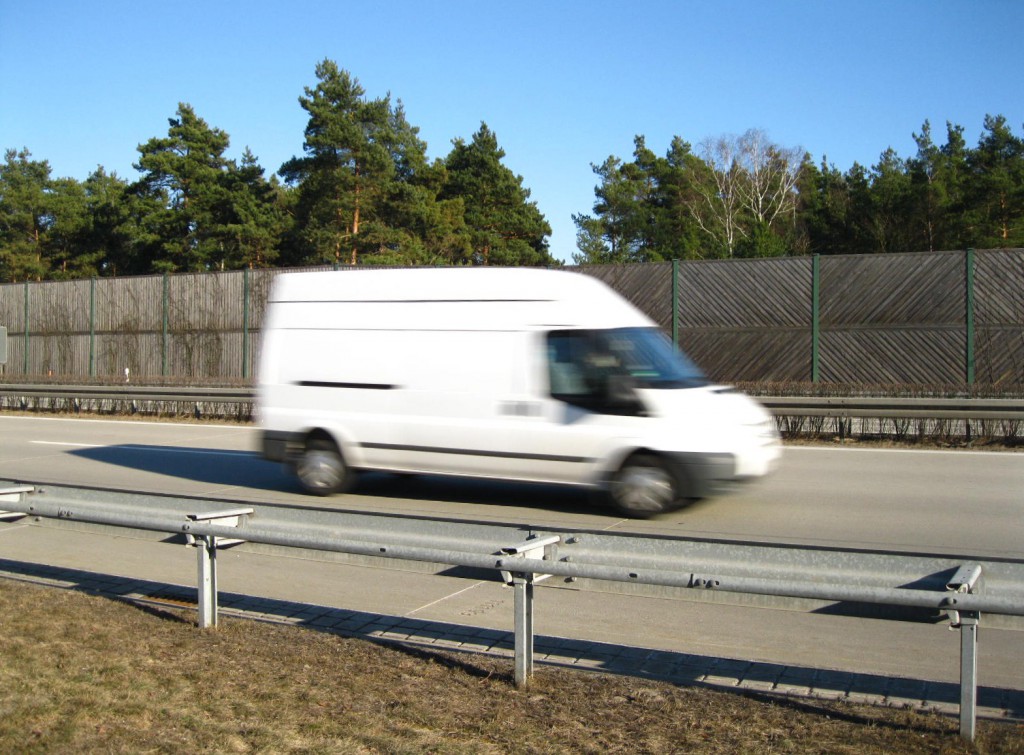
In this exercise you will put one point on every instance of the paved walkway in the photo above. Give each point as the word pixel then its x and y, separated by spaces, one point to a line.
pixel 675 667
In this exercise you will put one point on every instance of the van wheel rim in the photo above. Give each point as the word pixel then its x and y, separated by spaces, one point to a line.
pixel 648 489
pixel 321 470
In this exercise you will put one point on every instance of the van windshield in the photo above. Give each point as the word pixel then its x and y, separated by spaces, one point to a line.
pixel 581 361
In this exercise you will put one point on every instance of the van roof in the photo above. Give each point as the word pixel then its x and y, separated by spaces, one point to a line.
pixel 434 284
pixel 552 297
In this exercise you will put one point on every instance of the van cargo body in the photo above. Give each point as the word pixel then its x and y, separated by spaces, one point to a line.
pixel 505 373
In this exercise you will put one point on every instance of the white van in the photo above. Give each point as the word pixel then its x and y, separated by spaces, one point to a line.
pixel 510 373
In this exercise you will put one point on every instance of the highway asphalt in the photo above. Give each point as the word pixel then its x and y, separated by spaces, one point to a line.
pixel 936 501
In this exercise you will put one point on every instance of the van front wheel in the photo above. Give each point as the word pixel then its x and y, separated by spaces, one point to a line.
pixel 321 469
pixel 643 487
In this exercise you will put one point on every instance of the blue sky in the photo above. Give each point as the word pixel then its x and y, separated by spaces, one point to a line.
pixel 563 84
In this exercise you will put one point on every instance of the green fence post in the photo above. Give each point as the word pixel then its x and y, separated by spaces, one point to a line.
pixel 24 369
pixel 969 314
pixel 815 317
pixel 92 327
pixel 675 302
pixel 245 323
pixel 163 338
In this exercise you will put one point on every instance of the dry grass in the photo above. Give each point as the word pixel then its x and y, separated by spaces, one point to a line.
pixel 88 674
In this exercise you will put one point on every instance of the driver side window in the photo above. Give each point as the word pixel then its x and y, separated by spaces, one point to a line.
pixel 566 352
pixel 580 369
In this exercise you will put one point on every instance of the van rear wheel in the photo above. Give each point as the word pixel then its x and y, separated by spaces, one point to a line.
pixel 643 487
pixel 321 469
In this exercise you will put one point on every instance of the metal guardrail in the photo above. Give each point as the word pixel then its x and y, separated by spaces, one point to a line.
pixel 130 398
pixel 934 588
pixel 901 408
pixel 796 406
pixel 128 392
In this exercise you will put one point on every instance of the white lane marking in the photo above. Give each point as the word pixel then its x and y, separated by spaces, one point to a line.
pixel 933 451
pixel 15 417
pixel 146 449
pixel 446 597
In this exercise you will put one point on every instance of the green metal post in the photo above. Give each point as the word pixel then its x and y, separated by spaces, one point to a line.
pixel 675 302
pixel 969 314
pixel 163 341
pixel 815 318
pixel 25 360
pixel 92 327
pixel 245 323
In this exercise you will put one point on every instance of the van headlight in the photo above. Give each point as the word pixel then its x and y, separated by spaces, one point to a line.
pixel 767 430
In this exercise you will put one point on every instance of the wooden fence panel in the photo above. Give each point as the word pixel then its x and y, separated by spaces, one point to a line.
pixel 129 322
pixel 999 318
pixel 733 356
pixel 902 290
pixel 59 323
pixel 12 317
pixel 204 325
pixel 894 319
pixel 746 320
pixel 892 356
pixel 648 287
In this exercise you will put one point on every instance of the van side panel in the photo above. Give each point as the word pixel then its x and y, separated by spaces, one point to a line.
pixel 339 380
pixel 463 386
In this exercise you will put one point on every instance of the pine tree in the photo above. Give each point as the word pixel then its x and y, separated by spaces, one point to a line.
pixel 997 167
pixel 643 211
pixel 24 215
pixel 187 170
pixel 504 226
pixel 68 228
pixel 254 216
pixel 109 239
pixel 347 169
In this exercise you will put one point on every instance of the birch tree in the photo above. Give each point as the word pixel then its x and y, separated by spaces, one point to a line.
pixel 771 173
pixel 750 193
pixel 719 210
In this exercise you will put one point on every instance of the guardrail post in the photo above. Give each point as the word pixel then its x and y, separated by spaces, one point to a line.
pixel 206 555
pixel 522 583
pixel 206 550
pixel 964 581
pixel 968 673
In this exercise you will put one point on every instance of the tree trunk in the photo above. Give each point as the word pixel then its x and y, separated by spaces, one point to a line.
pixel 355 223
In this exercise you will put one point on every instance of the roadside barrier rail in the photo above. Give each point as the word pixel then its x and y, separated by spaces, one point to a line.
pixel 900 408
pixel 997 409
pixel 129 392
pixel 923 587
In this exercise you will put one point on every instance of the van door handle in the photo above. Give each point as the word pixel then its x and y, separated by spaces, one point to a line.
pixel 521 408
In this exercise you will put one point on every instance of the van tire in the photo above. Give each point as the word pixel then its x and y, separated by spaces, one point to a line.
pixel 321 468
pixel 643 486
